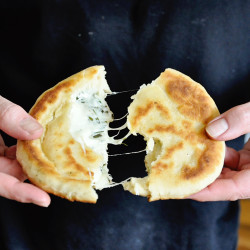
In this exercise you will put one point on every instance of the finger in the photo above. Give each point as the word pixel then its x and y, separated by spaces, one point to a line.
pixel 247 145
pixel 1 141
pixel 213 192
pixel 16 122
pixel 232 158
pixel 13 168
pixel 10 152
pixel 12 189
pixel 236 160
pixel 227 173
pixel 2 146
pixel 234 188
pixel 231 124
pixel 244 162
pixel 2 150
pixel 220 190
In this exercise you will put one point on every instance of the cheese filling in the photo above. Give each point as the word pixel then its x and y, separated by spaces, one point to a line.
pixel 90 117
pixel 89 125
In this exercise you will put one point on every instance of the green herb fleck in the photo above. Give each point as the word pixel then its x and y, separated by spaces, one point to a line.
pixel 97 136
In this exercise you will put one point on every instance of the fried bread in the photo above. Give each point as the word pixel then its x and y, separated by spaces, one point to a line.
pixel 171 113
pixel 70 159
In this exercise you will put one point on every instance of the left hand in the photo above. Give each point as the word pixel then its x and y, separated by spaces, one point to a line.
pixel 234 181
pixel 16 122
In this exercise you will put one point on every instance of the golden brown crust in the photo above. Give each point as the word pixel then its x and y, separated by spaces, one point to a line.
pixel 56 162
pixel 188 95
pixel 174 111
pixel 142 112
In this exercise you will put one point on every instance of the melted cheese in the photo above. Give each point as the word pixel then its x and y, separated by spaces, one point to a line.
pixel 135 152
pixel 90 116
pixel 89 125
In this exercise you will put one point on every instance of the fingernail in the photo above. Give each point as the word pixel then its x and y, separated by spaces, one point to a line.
pixel 42 203
pixel 217 127
pixel 30 125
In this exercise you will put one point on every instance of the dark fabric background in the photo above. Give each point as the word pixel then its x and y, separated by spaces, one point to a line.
pixel 43 42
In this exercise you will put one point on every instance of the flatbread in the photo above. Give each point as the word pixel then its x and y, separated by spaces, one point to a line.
pixel 70 159
pixel 171 113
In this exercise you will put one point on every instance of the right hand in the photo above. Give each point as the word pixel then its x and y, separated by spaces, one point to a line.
pixel 16 122
pixel 233 183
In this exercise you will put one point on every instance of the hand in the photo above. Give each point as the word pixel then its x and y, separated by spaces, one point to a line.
pixel 17 123
pixel 234 181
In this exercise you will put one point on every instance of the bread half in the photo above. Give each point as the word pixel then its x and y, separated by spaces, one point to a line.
pixel 70 159
pixel 171 113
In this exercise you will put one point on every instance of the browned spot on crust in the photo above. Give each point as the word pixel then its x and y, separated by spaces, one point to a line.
pixel 143 111
pixel 72 142
pixel 88 155
pixel 191 172
pixel 90 73
pixel 193 138
pixel 91 174
pixel 163 128
pixel 160 166
pixel 186 124
pixel 162 109
pixel 73 164
pixel 34 156
pixel 205 164
pixel 191 98
pixel 50 96
pixel 170 151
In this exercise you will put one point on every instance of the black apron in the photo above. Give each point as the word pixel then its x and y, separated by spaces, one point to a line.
pixel 43 42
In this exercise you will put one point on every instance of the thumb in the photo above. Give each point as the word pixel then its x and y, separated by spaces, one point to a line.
pixel 231 124
pixel 16 122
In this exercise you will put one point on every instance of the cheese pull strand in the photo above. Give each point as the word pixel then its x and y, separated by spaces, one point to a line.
pixel 118 141
pixel 113 184
pixel 119 128
pixel 135 152
pixel 118 119
pixel 120 92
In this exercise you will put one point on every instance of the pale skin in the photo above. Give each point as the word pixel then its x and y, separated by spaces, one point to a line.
pixel 232 184
pixel 234 181
pixel 17 123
